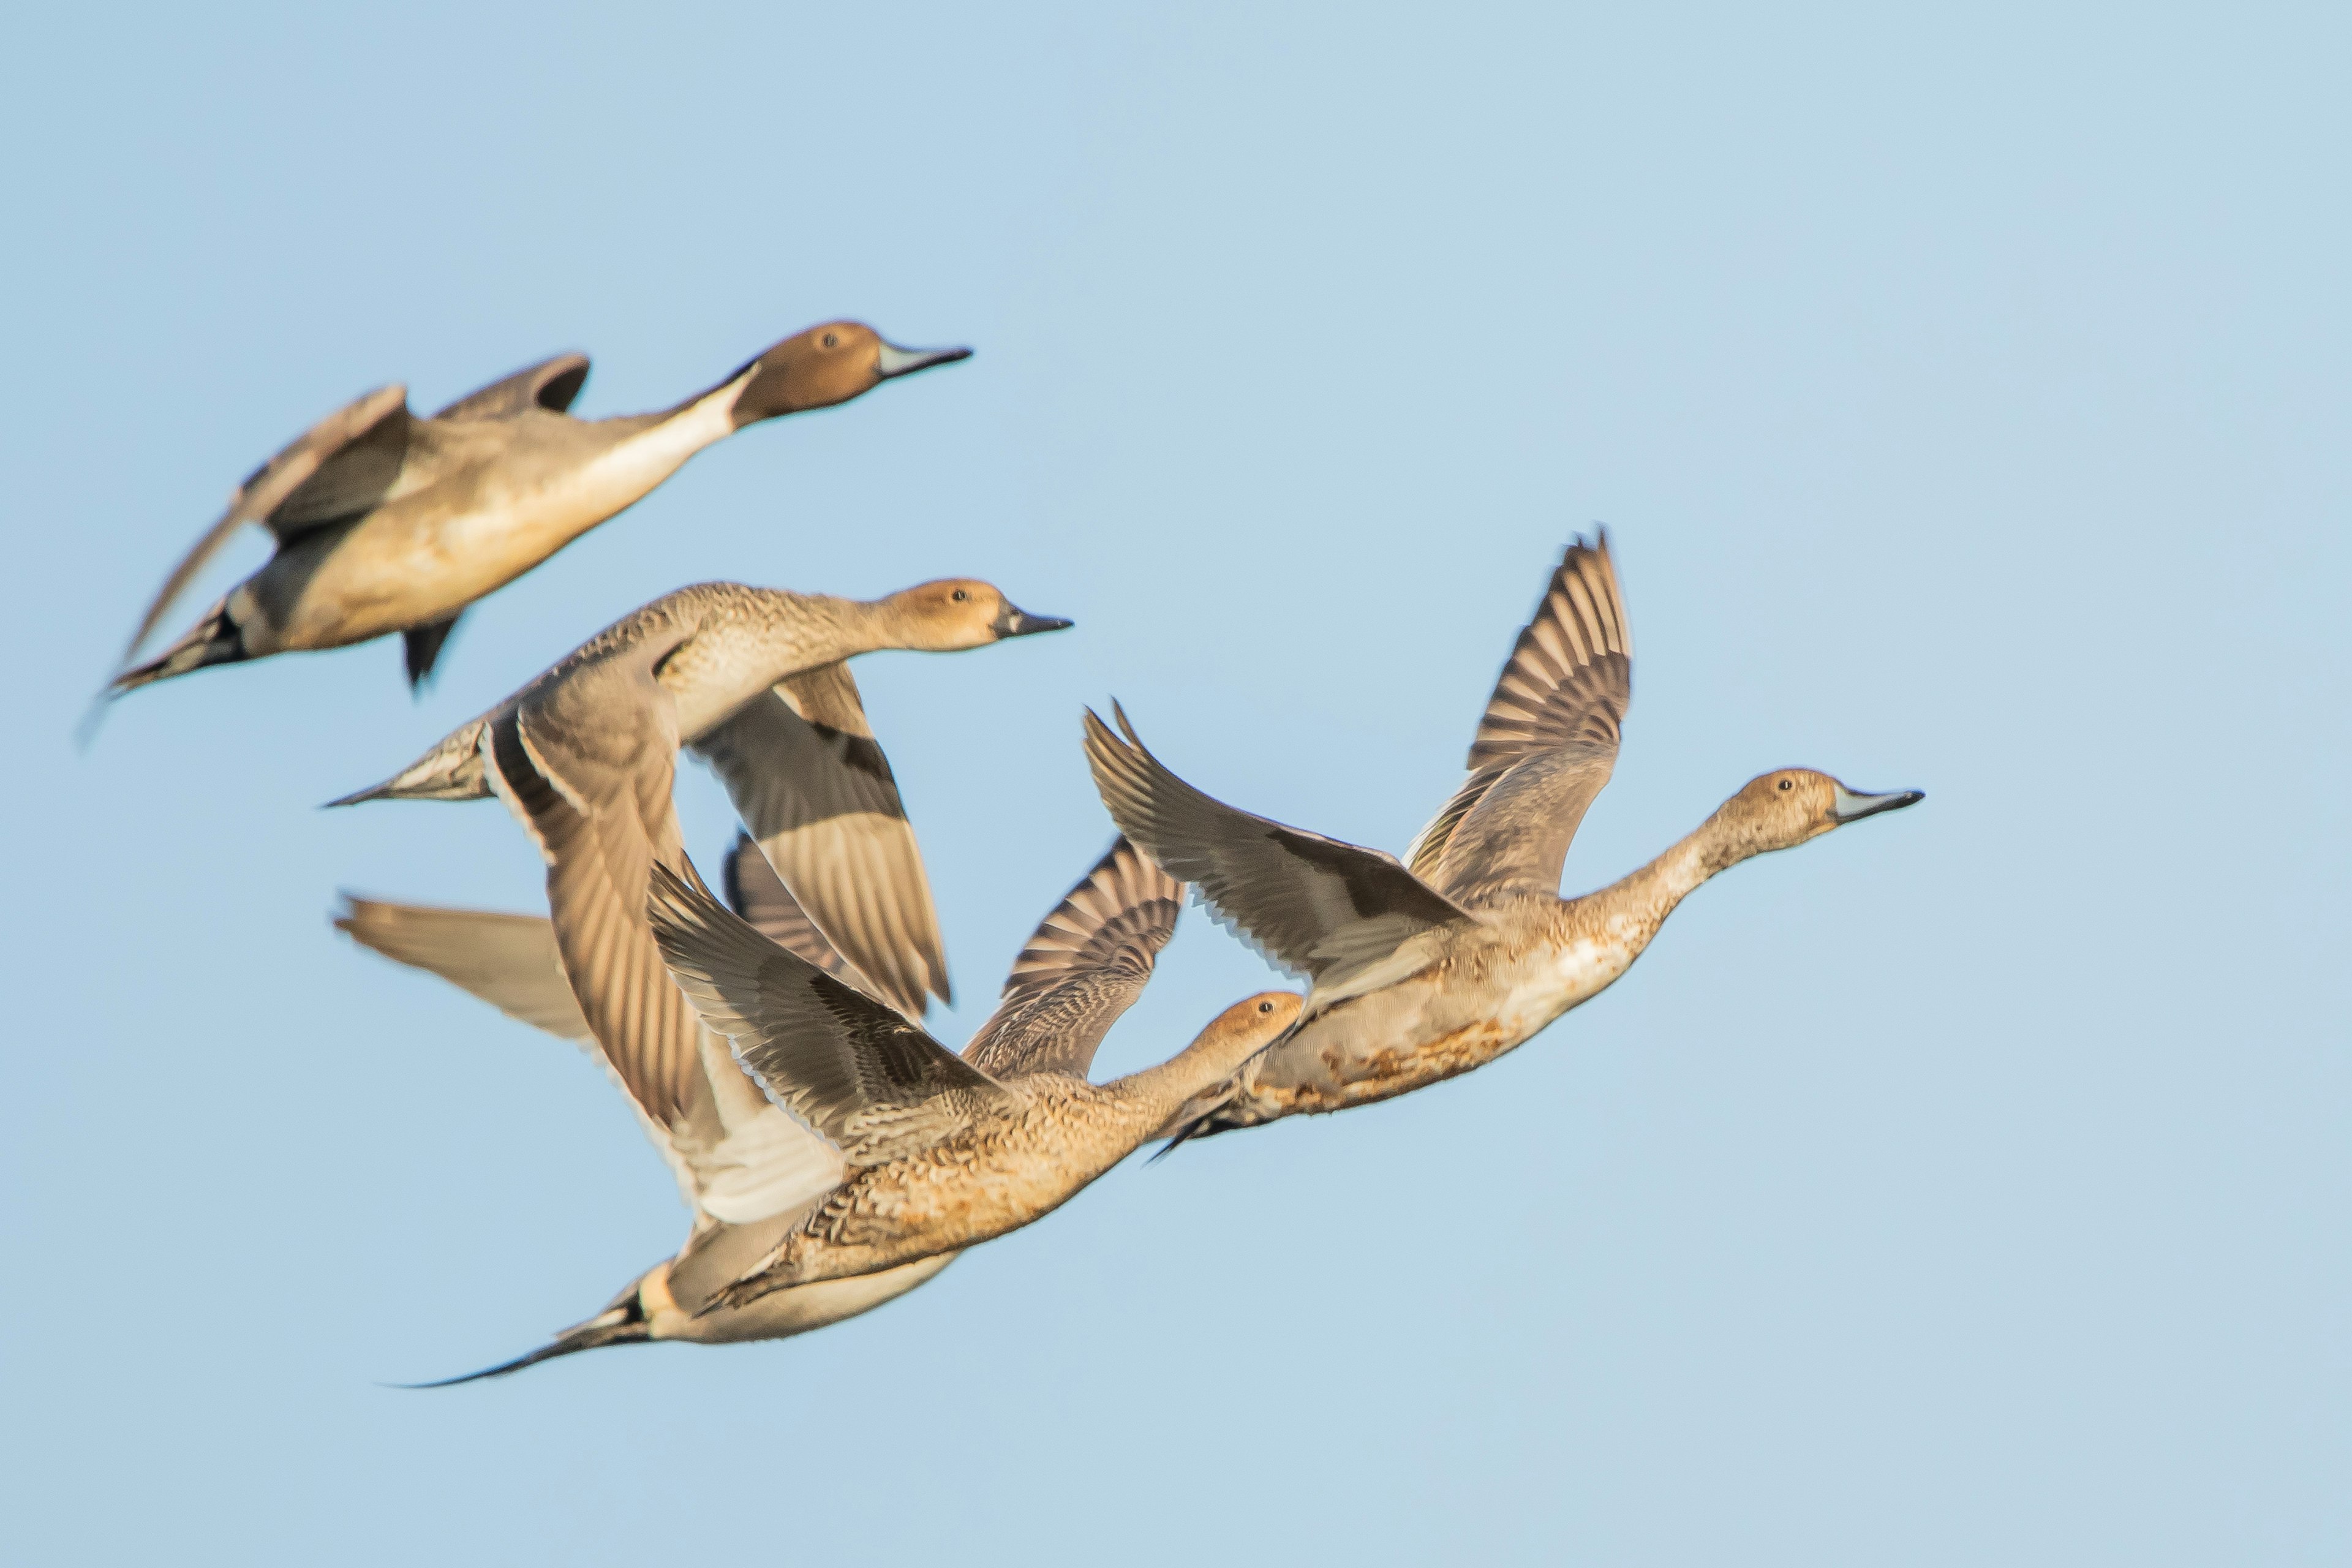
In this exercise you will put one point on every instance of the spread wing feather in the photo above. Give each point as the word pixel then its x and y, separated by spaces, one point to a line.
pixel 1318 907
pixel 804 773
pixel 1084 964
pixel 872 1084
pixel 1546 744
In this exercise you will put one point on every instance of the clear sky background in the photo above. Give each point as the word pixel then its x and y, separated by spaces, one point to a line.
pixel 1967 399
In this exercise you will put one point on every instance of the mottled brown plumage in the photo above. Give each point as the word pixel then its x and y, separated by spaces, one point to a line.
pixel 941 1154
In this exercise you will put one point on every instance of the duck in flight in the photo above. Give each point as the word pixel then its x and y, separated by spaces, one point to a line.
pixel 940 1152
pixel 755 681
pixel 386 522
pixel 747 1171
pixel 1426 968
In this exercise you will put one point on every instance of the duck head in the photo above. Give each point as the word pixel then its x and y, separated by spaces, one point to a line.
pixel 824 366
pixel 956 613
pixel 1781 809
pixel 1242 1030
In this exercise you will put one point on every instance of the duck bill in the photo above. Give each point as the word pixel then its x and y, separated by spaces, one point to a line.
pixel 1014 622
pixel 1852 805
pixel 891 360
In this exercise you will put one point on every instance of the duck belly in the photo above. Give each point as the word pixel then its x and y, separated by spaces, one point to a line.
pixel 1436 1026
pixel 425 556
pixel 796 1311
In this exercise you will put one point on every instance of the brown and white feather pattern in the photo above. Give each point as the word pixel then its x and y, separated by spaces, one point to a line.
pixel 1082 967
pixel 1546 744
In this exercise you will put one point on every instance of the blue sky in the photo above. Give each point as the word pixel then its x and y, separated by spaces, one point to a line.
pixel 1966 400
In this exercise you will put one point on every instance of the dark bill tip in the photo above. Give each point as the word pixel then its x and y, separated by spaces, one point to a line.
pixel 1852 805
pixel 1014 622
pixel 893 360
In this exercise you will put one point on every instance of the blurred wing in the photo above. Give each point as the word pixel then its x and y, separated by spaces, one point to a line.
pixel 802 767
pixel 1546 744
pixel 552 385
pixel 758 1163
pixel 509 961
pixel 877 1086
pixel 337 468
pixel 1316 906
pixel 587 765
pixel 1084 965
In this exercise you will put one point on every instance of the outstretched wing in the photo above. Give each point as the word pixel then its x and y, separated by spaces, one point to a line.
pixel 340 467
pixel 759 895
pixel 877 1086
pixel 1546 744
pixel 552 385
pixel 1316 906
pixel 1084 964
pixel 804 773
pixel 509 961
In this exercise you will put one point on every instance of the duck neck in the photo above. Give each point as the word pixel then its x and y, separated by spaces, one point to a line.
pixel 1157 1094
pixel 1638 905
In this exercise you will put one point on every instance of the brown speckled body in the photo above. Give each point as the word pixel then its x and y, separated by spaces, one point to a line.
pixel 1487 987
pixel 995 1178
pixel 1009 1165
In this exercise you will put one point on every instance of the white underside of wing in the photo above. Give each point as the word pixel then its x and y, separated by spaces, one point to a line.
pixel 767 1166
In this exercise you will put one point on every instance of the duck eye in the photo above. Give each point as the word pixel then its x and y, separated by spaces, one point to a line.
pixel 960 596
pixel 1785 784
pixel 833 339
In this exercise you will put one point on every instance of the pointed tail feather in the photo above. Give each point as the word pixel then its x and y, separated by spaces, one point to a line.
pixel 622 1325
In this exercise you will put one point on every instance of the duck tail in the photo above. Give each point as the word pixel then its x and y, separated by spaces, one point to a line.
pixel 1196 1121
pixel 622 1324
pixel 450 771
pixel 214 639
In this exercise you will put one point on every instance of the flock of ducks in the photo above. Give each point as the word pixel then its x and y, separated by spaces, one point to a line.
pixel 833 1154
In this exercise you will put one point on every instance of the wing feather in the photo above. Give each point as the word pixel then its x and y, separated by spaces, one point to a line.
pixel 1318 907
pixel 874 1084
pixel 1084 964
pixel 804 771
pixel 1546 744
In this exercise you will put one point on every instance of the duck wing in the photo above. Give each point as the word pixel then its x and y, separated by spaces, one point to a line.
pixel 552 385
pixel 755 891
pixel 337 468
pixel 586 764
pixel 1084 964
pixel 759 1164
pixel 1318 908
pixel 875 1086
pixel 509 961
pixel 1546 744
pixel 804 773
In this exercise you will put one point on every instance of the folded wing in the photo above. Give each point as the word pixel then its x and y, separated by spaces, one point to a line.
pixel 337 468
pixel 552 385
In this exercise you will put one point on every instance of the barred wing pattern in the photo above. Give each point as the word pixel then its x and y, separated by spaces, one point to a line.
pixel 1084 964
pixel 1546 744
